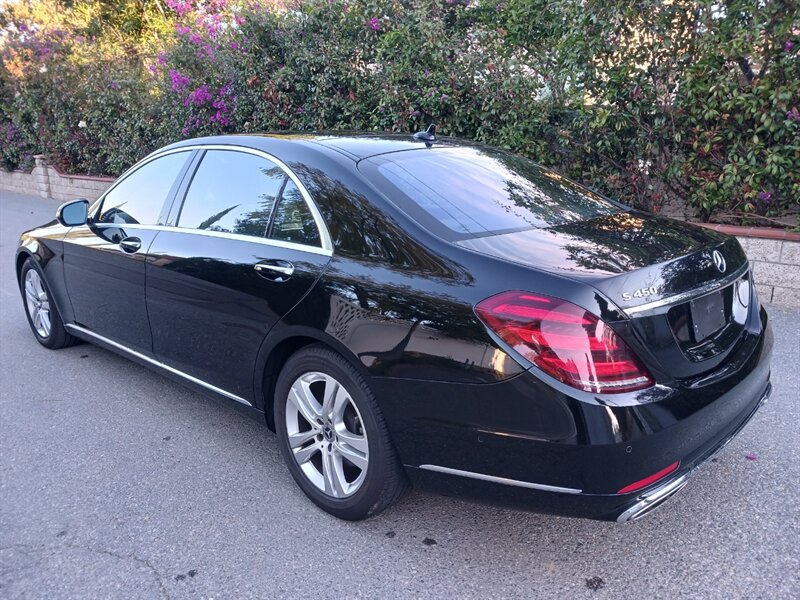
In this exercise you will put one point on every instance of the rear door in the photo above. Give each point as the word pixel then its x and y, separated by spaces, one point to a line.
pixel 243 246
pixel 104 261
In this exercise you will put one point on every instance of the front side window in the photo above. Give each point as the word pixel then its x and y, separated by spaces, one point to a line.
pixel 293 219
pixel 232 192
pixel 139 198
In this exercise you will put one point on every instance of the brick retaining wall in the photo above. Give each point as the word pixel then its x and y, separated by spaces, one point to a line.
pixel 774 255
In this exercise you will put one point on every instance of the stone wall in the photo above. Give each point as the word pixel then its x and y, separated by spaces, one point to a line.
pixel 48 182
pixel 776 269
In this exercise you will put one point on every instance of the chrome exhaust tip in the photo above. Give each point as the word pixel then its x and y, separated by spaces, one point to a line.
pixel 653 499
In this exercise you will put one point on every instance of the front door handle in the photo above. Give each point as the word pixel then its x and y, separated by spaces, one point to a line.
pixel 130 244
pixel 275 270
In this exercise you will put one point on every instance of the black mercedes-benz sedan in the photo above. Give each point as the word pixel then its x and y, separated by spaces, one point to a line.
pixel 407 309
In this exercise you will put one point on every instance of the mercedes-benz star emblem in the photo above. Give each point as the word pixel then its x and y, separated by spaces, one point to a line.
pixel 719 261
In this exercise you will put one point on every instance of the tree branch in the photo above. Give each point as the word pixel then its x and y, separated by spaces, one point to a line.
pixel 747 70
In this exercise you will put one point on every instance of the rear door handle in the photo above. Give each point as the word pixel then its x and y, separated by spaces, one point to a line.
pixel 275 270
pixel 130 244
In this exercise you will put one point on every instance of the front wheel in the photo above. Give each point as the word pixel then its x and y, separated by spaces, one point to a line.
pixel 42 313
pixel 333 437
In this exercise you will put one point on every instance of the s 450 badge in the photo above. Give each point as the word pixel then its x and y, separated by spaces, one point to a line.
pixel 641 293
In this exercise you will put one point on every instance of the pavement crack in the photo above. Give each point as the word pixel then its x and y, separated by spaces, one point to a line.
pixel 53 549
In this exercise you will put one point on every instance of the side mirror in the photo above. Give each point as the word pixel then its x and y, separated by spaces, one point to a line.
pixel 73 213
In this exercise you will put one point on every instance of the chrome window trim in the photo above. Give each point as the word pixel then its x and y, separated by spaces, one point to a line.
pixel 502 480
pixel 689 294
pixel 95 208
pixel 226 235
pixel 157 363
pixel 324 234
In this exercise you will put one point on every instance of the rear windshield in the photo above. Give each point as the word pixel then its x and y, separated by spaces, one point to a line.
pixel 460 193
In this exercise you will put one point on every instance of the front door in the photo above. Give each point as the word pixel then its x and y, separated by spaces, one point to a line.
pixel 104 261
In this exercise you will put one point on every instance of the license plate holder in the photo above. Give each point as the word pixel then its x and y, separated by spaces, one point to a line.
pixel 708 315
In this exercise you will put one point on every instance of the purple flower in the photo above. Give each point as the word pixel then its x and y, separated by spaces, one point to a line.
pixel 22 27
pixel 299 110
pixel 178 81
pixel 789 46
pixel 114 85
pixel 765 196
pixel 499 7
pixel 199 96
pixel 181 29
pixel 162 59
pixel 793 115
pixel 182 7
pixel 374 24
pixel 234 46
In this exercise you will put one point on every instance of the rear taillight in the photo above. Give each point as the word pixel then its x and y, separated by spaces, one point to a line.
pixel 565 341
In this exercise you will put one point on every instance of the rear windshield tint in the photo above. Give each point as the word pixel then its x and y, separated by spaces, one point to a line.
pixel 460 193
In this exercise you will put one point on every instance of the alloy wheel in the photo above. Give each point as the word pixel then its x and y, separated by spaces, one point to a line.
pixel 37 302
pixel 326 434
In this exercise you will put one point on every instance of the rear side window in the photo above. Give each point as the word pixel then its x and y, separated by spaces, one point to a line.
pixel 232 192
pixel 460 193
pixel 293 219
pixel 139 198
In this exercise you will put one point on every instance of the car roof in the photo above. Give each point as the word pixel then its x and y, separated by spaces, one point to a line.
pixel 354 145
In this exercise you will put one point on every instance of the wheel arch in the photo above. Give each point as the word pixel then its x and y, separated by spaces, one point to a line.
pixel 277 348
pixel 24 254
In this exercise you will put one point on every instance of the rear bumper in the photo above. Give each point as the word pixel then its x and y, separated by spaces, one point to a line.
pixel 523 444
pixel 664 490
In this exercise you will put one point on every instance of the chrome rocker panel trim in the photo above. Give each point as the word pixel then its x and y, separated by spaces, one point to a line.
pixel 82 331
pixel 501 480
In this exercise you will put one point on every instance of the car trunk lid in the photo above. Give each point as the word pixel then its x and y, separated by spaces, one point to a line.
pixel 686 289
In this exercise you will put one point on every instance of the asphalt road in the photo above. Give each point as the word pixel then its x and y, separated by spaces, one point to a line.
pixel 118 483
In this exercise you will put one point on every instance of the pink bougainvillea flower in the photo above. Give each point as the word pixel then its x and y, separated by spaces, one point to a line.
pixel 182 7
pixel 199 96
pixel 178 81
pixel 374 24
pixel 789 46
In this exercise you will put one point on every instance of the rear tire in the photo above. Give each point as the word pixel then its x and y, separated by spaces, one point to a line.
pixel 43 316
pixel 338 451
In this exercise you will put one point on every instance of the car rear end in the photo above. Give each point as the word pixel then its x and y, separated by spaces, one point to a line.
pixel 647 402
pixel 653 355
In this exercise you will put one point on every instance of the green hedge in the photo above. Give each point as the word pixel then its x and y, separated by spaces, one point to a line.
pixel 689 105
